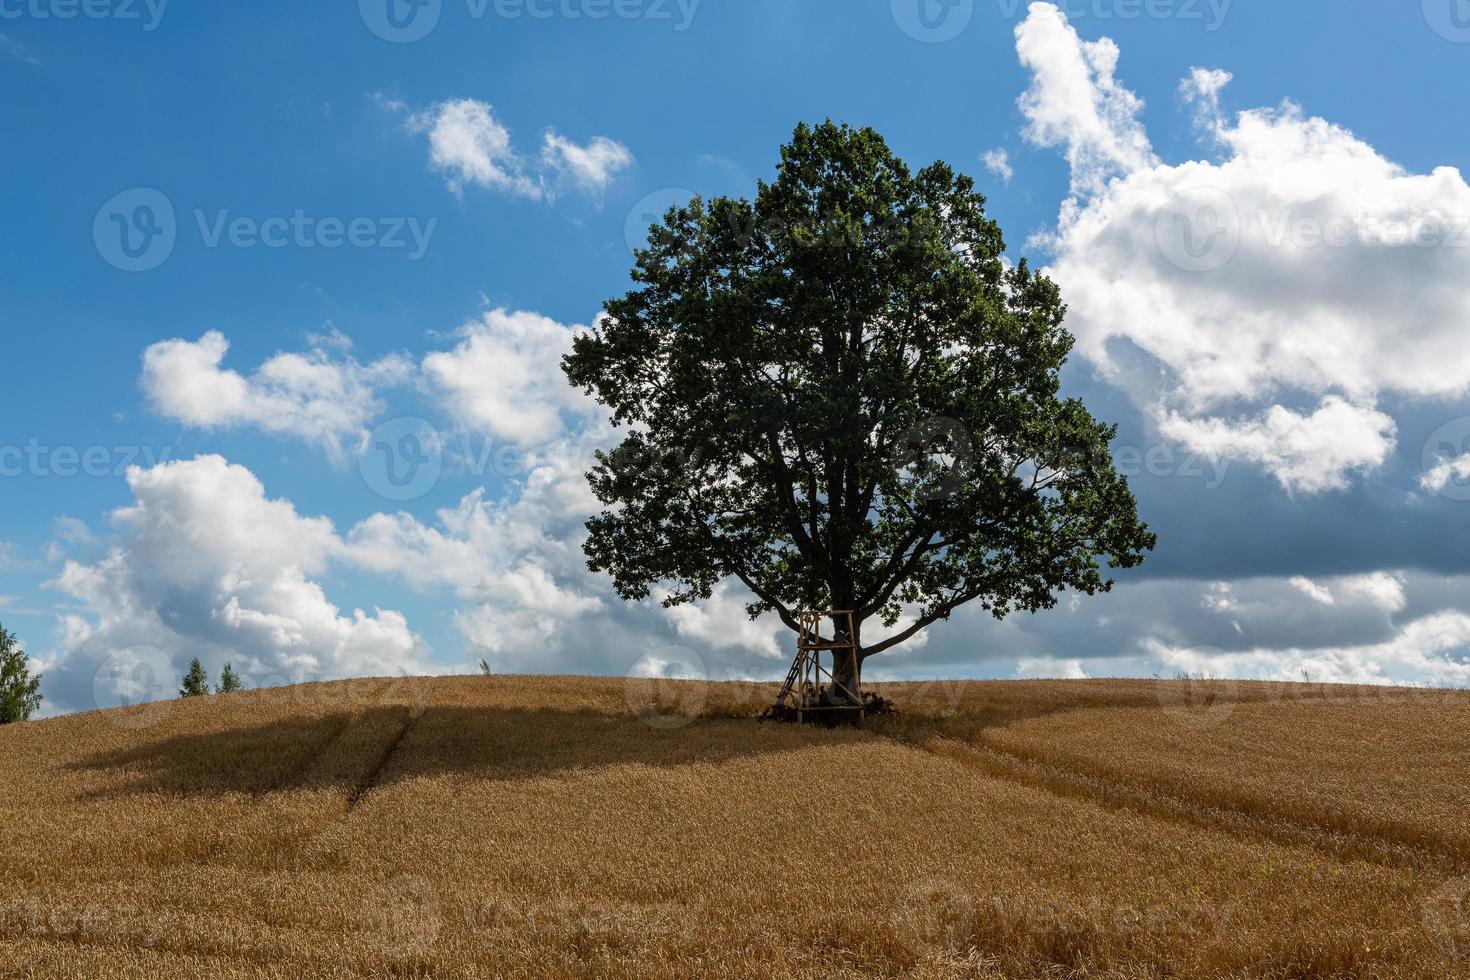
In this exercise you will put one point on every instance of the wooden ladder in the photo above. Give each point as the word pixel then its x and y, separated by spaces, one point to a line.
pixel 806 670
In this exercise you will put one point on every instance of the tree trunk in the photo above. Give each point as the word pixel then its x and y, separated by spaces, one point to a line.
pixel 846 671
pixel 844 675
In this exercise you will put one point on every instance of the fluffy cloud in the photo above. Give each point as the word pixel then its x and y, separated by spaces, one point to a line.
pixel 205 564
pixel 1437 477
pixel 1301 266
pixel 1428 651
pixel 591 167
pixel 998 162
pixel 722 624
pixel 1074 101
pixel 504 377
pixel 1311 589
pixel 1049 668
pixel 516 563
pixel 470 145
pixel 1379 627
pixel 309 396
pixel 1307 453
pixel 1201 88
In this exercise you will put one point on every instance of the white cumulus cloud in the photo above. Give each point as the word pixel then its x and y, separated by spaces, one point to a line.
pixel 310 396
pixel 998 162
pixel 1050 668
pixel 469 144
pixel 1076 103
pixel 504 377
pixel 1301 266
pixel 591 167
pixel 204 563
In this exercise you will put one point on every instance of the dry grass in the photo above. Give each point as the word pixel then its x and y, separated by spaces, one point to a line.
pixel 537 827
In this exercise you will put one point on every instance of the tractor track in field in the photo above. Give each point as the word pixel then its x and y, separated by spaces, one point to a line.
pixel 370 779
pixel 340 734
pixel 1113 792
pixel 295 777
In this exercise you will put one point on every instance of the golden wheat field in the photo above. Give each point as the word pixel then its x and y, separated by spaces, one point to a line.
pixel 479 827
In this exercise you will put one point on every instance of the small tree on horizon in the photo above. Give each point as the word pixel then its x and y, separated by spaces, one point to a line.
pixel 20 693
pixel 844 397
pixel 196 681
pixel 229 681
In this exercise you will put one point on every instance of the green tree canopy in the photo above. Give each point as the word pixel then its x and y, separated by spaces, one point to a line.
pixel 196 681
pixel 20 693
pixel 842 395
pixel 229 681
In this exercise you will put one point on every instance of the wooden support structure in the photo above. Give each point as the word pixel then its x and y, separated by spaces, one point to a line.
pixel 809 679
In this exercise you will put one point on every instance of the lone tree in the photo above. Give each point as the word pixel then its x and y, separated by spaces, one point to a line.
pixel 842 396
pixel 229 681
pixel 20 693
pixel 196 681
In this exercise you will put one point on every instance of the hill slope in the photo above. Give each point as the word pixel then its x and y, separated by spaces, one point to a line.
pixel 538 827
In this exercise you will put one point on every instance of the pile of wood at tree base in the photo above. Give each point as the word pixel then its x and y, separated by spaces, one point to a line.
pixel 831 717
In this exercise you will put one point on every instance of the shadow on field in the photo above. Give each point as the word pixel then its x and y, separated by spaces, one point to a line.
pixel 354 752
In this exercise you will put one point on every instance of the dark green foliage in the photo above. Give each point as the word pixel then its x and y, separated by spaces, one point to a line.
pixel 196 681
pixel 229 681
pixel 840 395
pixel 20 693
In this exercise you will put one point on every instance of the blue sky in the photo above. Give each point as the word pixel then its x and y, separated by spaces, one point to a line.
pixel 1302 525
